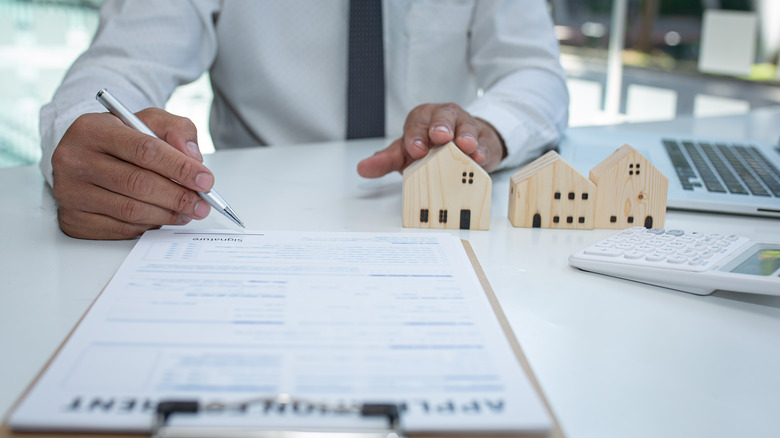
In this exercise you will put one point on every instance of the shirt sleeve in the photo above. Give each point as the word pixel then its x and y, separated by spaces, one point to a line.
pixel 142 50
pixel 515 56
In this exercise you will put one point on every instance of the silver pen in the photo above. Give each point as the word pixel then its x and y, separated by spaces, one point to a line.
pixel 117 108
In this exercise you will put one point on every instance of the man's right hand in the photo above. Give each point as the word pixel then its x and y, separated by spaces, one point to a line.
pixel 113 182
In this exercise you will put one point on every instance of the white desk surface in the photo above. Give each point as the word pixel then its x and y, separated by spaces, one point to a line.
pixel 614 358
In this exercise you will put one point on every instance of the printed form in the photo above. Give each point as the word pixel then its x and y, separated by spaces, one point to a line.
pixel 328 317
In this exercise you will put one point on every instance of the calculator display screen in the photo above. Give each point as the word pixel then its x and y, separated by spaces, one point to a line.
pixel 759 261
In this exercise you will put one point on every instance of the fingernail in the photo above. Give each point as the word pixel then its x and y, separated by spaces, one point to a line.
pixel 184 220
pixel 478 156
pixel 202 209
pixel 194 151
pixel 470 137
pixel 418 144
pixel 204 181
pixel 442 128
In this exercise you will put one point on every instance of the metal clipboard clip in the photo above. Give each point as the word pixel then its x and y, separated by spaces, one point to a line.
pixel 162 427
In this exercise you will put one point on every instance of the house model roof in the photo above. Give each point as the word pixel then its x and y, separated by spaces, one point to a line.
pixel 624 153
pixel 540 164
pixel 447 151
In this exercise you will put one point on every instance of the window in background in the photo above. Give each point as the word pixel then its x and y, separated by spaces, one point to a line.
pixel 662 76
pixel 38 42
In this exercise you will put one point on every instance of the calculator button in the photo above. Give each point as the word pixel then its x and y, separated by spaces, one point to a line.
pixel 676 259
pixel 685 239
pixel 732 237
pixel 656 242
pixel 706 254
pixel 698 247
pixel 696 261
pixel 634 254
pixel 608 252
pixel 666 250
pixel 676 244
pixel 645 248
pixel 655 257
pixel 688 252
pixel 624 246
pixel 676 233
pixel 605 244
pixel 656 231
pixel 716 236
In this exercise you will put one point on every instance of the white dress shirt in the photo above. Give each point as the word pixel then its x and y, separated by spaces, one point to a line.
pixel 279 68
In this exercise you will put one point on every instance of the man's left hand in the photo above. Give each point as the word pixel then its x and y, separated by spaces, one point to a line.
pixel 430 125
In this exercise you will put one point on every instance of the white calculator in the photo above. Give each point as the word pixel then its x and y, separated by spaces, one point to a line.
pixel 692 262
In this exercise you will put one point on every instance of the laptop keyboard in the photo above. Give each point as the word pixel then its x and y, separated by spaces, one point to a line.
pixel 723 168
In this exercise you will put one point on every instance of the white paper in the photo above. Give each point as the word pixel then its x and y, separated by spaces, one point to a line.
pixel 328 317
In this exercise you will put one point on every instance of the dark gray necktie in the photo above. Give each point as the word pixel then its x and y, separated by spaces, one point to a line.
pixel 366 84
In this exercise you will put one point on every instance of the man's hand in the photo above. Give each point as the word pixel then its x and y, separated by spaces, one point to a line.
pixel 113 182
pixel 431 125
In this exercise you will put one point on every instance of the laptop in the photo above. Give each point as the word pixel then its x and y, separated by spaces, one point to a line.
pixel 705 174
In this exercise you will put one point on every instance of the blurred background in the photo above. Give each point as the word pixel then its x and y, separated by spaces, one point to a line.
pixel 626 60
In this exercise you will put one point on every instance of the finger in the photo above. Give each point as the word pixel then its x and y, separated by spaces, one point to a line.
pixel 87 198
pixel 392 158
pixel 480 157
pixel 177 131
pixel 444 119
pixel 467 133
pixel 415 138
pixel 84 225
pixel 491 150
pixel 147 187
pixel 155 155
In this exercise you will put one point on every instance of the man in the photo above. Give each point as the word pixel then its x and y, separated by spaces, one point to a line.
pixel 483 73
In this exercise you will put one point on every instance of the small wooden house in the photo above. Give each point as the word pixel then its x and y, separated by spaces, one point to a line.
pixel 624 190
pixel 631 191
pixel 549 193
pixel 446 189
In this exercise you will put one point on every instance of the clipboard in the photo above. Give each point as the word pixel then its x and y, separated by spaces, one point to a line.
pixel 555 431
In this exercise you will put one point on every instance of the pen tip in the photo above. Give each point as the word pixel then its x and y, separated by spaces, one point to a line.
pixel 233 216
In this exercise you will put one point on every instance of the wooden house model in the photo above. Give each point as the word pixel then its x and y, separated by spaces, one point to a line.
pixel 446 189
pixel 624 190
pixel 549 193
pixel 631 191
